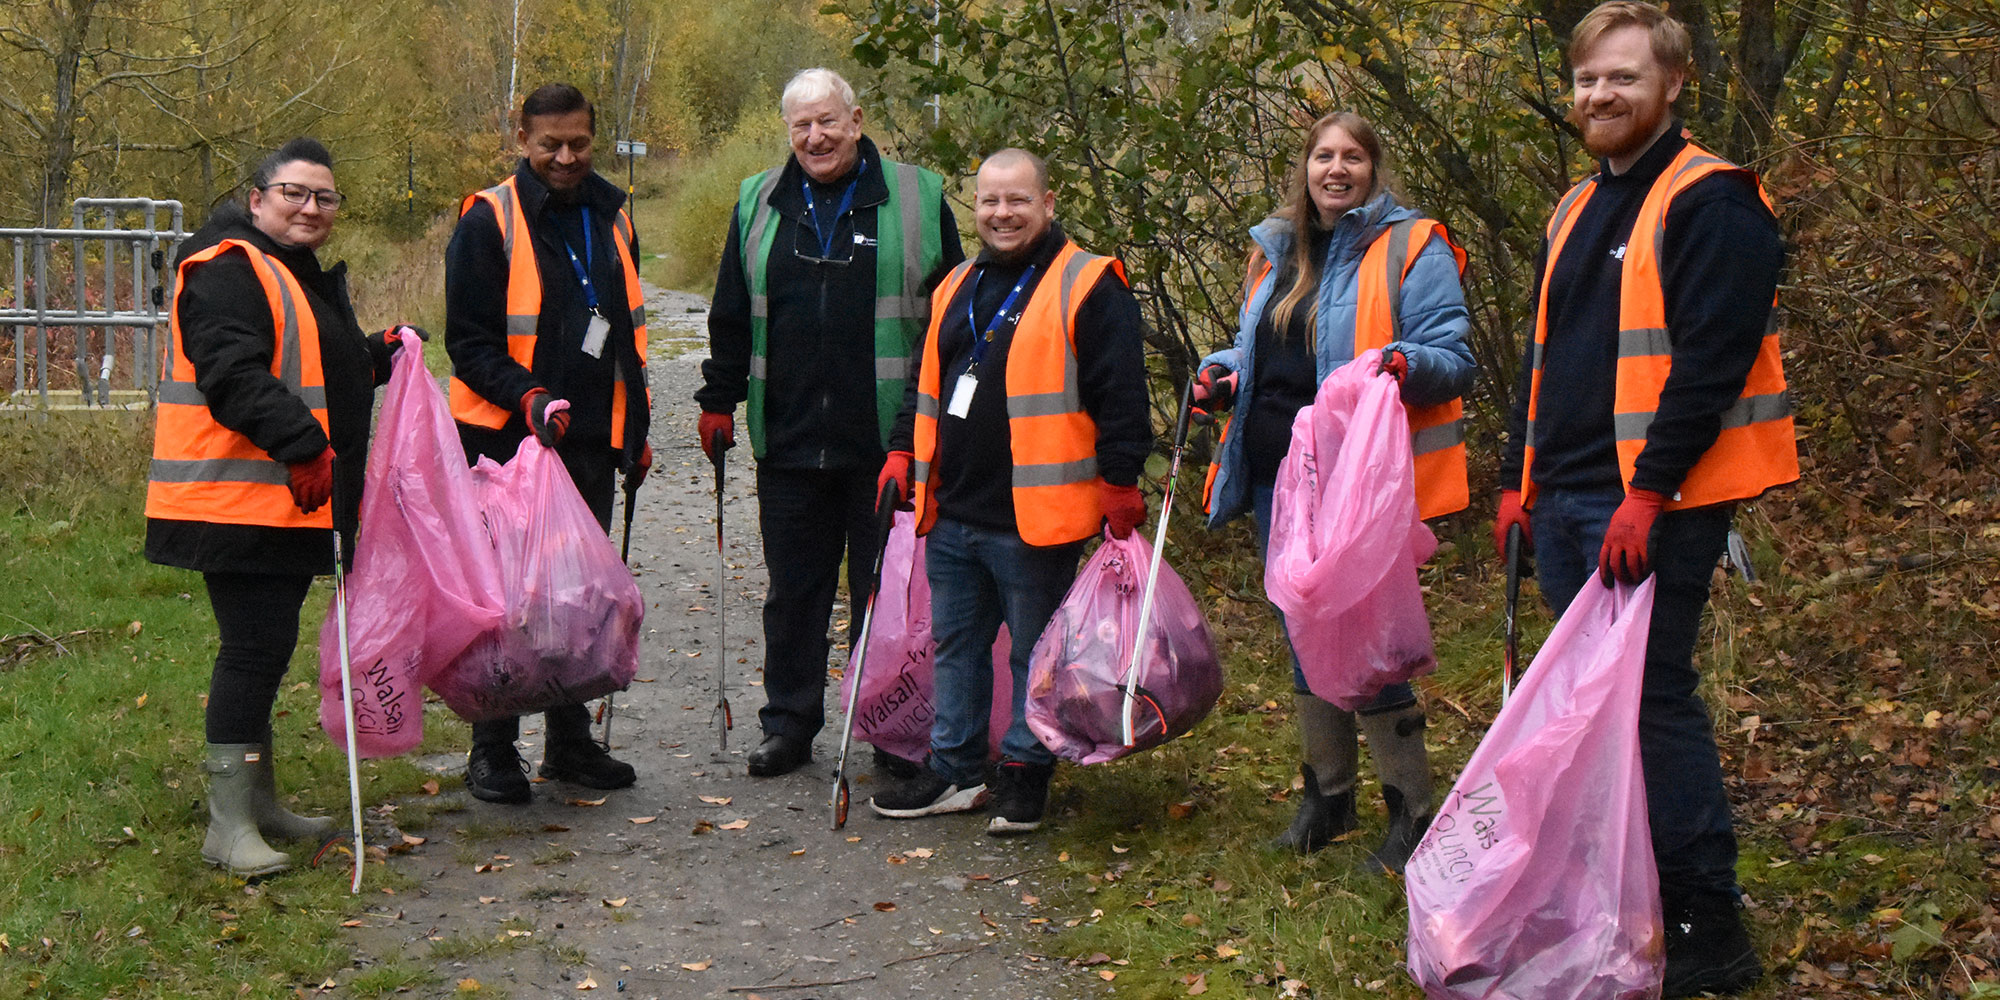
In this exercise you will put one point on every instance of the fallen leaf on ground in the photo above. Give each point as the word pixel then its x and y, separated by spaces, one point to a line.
pixel 587 984
pixel 1096 958
pixel 717 800
pixel 616 903
pixel 885 907
pixel 642 820
pixel 1115 849
pixel 1106 974
pixel 1180 810
pixel 430 787
pixel 586 802
pixel 897 859
pixel 350 923
pixel 139 702
pixel 1225 951
pixel 919 852
pixel 734 825
pixel 468 985
pixel 700 966
pixel 702 826
pixel 488 900
pixel 1197 984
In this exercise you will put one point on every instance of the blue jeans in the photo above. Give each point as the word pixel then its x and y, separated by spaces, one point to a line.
pixel 1395 695
pixel 979 578
pixel 1694 839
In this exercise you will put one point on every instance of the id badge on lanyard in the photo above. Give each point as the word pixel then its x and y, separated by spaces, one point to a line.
pixel 599 330
pixel 962 391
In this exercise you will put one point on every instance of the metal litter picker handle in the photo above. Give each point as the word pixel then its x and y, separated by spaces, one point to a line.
pixel 347 705
pixel 885 519
pixel 1153 570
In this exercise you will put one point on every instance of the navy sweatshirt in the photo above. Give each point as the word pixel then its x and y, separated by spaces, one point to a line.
pixel 1720 263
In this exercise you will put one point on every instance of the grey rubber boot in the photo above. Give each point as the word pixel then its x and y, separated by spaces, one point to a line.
pixel 233 841
pixel 274 820
pixel 1327 809
pixel 1396 739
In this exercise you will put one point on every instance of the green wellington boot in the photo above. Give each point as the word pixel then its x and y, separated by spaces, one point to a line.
pixel 273 819
pixel 233 840
pixel 1396 739
pixel 1326 809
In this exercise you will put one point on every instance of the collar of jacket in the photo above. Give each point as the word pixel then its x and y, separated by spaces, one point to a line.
pixel 1351 232
pixel 873 190
pixel 1648 167
pixel 601 195
pixel 1041 254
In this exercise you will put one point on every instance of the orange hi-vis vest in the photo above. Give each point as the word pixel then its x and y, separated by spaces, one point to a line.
pixel 1437 433
pixel 1054 442
pixel 524 308
pixel 1756 449
pixel 203 471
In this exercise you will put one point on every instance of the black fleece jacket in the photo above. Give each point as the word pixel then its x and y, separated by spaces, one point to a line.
pixel 819 395
pixel 975 458
pixel 476 272
pixel 230 336
pixel 1720 263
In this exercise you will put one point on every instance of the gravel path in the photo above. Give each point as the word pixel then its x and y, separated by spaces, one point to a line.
pixel 701 881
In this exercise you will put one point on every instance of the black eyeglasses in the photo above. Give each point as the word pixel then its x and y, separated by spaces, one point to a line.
pixel 299 194
pixel 809 254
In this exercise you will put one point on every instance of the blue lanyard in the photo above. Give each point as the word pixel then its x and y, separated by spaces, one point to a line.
pixel 999 317
pixel 812 210
pixel 583 267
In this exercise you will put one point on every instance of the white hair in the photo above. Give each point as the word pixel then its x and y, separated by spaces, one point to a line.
pixel 813 85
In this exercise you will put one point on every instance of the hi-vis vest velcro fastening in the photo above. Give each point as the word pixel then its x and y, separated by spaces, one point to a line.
pixel 1052 438
pixel 1756 449
pixel 524 308
pixel 203 471
pixel 907 250
pixel 1437 433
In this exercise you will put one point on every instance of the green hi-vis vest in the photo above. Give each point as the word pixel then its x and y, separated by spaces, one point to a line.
pixel 905 253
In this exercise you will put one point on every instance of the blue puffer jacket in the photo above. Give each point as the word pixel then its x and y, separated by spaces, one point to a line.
pixel 1434 323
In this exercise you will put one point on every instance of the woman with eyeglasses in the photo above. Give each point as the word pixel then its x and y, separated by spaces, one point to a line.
pixel 258 451
pixel 1343 269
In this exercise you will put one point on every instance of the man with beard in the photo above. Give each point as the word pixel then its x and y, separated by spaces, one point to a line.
pixel 1651 399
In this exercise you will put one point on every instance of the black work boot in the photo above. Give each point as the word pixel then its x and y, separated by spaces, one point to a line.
pixel 1708 949
pixel 1326 809
pixel 495 772
pixel 571 754
pixel 1020 795
pixel 1396 740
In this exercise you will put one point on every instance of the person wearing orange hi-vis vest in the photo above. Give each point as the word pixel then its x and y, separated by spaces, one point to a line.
pixel 1341 271
pixel 542 303
pixel 1021 437
pixel 259 446
pixel 1652 399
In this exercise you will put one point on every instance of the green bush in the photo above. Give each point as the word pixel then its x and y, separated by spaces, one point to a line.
pixel 694 220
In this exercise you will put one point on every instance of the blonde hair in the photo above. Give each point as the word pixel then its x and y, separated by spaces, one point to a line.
pixel 1304 217
pixel 1672 48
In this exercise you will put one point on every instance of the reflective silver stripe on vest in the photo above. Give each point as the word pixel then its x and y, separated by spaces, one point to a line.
pixel 759 367
pixel 522 326
pixel 1040 404
pixel 1399 258
pixel 288 367
pixel 1645 342
pixel 186 394
pixel 1742 413
pixel 927 405
pixel 913 304
pixel 504 196
pixel 904 307
pixel 892 368
pixel 1660 226
pixel 1565 206
pixel 920 472
pixel 1439 438
pixel 638 316
pixel 265 471
pixel 761 215
pixel 1055 473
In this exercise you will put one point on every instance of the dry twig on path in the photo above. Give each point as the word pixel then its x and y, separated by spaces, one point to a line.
pixel 801 986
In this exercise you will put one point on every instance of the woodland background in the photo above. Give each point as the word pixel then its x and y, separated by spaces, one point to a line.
pixel 1856 678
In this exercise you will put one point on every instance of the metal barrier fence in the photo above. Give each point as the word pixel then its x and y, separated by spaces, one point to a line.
pixel 108 298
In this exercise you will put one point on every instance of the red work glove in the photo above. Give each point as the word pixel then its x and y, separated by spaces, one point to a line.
pixel 394 335
pixel 1214 391
pixel 1625 540
pixel 895 469
pixel 312 480
pixel 1395 364
pixel 549 428
pixel 1124 508
pixel 711 425
pixel 642 465
pixel 1511 513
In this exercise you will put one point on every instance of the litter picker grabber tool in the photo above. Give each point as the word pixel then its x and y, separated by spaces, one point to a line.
pixel 723 719
pixel 1513 559
pixel 347 704
pixel 885 517
pixel 609 706
pixel 1153 571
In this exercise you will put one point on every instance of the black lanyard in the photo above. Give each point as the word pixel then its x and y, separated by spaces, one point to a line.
pixel 846 202
pixel 584 266
pixel 980 341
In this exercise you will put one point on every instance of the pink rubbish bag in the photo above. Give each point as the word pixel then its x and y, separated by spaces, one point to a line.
pixel 895 709
pixel 1346 540
pixel 571 628
pixel 1076 678
pixel 1536 880
pixel 425 580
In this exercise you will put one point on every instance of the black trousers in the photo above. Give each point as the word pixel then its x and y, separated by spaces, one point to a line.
pixel 257 623
pixel 594 470
pixel 810 518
